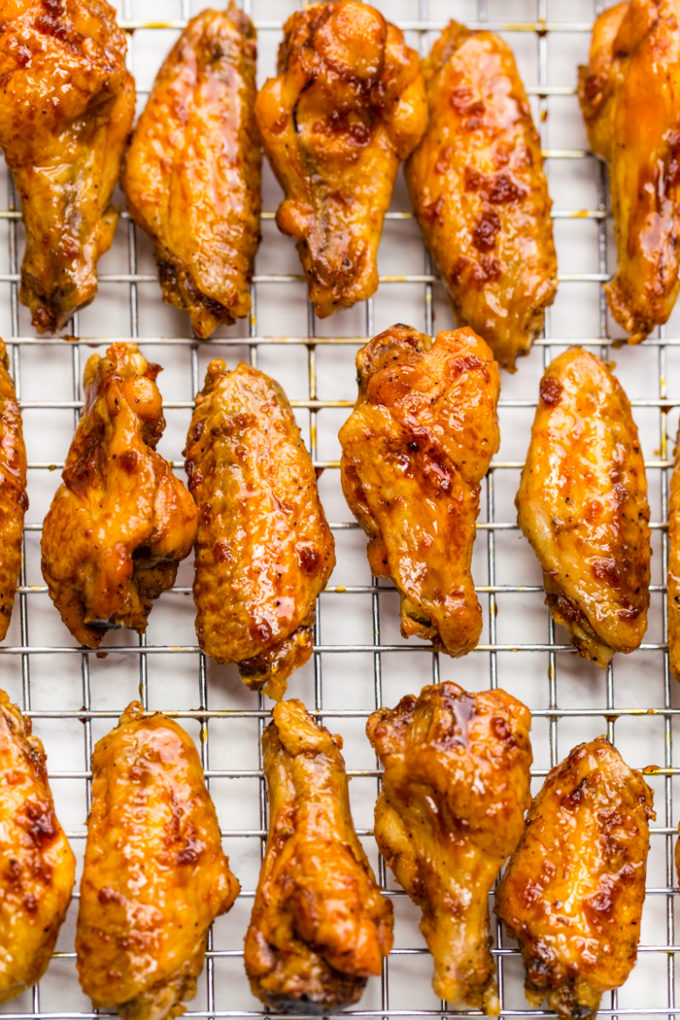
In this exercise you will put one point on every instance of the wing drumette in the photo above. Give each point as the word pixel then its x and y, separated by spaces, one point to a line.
pixel 66 108
pixel 455 789
pixel 13 499
pixel 121 521
pixel 320 925
pixel 192 172
pixel 573 891
pixel 348 104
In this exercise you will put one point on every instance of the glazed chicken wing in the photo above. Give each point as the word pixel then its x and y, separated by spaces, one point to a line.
pixel 264 550
pixel 320 925
pixel 347 106
pixel 66 108
pixel 192 172
pixel 451 811
pixel 414 451
pixel 154 876
pixel 582 503
pixel 13 499
pixel 673 576
pixel 121 521
pixel 573 891
pixel 630 98
pixel 37 866
pixel 480 194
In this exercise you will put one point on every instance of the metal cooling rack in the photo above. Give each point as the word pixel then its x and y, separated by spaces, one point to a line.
pixel 360 661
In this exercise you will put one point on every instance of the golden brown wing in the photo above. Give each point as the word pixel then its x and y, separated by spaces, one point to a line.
pixel 630 98
pixel 673 575
pixel 154 876
pixel 192 172
pixel 347 106
pixel 13 498
pixel 414 450
pixel 320 925
pixel 264 550
pixel 480 194
pixel 582 503
pixel 573 891
pixel 37 866
pixel 121 521
pixel 451 811
pixel 63 144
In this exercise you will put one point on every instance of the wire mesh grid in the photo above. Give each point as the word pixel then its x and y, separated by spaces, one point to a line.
pixel 360 660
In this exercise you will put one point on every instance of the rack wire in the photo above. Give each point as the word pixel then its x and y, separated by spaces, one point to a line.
pixel 360 661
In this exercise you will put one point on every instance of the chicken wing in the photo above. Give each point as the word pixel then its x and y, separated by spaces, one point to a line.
pixel 630 98
pixel 121 521
pixel 582 503
pixel 13 498
pixel 673 575
pixel 414 450
pixel 451 811
pixel 264 550
pixel 320 925
pixel 37 866
pixel 573 891
pixel 348 104
pixel 192 172
pixel 154 876
pixel 480 194
pixel 66 108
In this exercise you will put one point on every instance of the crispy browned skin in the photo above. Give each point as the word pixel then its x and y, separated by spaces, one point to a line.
pixel 582 503
pixel 451 811
pixel 630 98
pixel 673 576
pixel 573 891
pixel 37 866
pixel 121 521
pixel 13 498
pixel 347 106
pixel 480 194
pixel 320 925
pixel 154 876
pixel 264 550
pixel 192 172
pixel 414 450
pixel 66 108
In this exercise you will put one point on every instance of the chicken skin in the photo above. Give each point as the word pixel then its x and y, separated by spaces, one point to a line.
pixel 13 498
pixel 264 550
pixel 347 106
pixel 192 172
pixel 573 891
pixel 451 811
pixel 414 451
pixel 154 876
pixel 121 521
pixel 37 866
pixel 66 109
pixel 630 99
pixel 480 194
pixel 320 925
pixel 582 503
pixel 673 577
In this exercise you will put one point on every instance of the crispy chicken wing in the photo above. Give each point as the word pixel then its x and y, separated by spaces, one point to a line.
pixel 573 891
pixel 673 576
pixel 13 498
pixel 320 925
pixel 154 876
pixel 451 811
pixel 630 98
pixel 121 521
pixel 480 194
pixel 348 104
pixel 582 503
pixel 264 550
pixel 66 108
pixel 414 450
pixel 192 172
pixel 37 866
